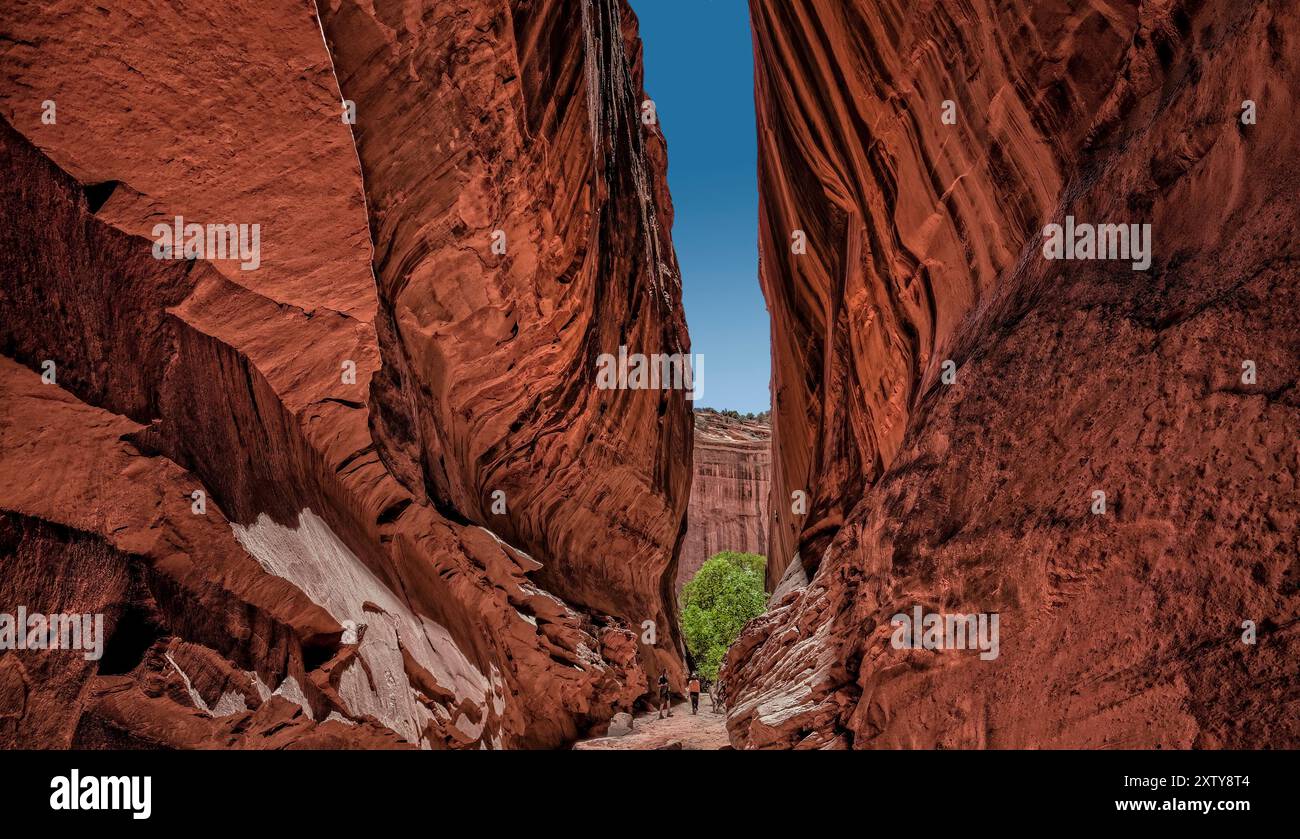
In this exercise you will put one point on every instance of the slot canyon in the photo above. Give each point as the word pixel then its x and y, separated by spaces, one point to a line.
pixel 366 493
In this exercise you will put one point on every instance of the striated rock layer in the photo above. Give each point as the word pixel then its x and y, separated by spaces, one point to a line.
pixel 728 506
pixel 349 410
pixel 1118 629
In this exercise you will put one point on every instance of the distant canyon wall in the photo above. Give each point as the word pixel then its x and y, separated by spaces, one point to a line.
pixel 919 151
pixel 729 492
pixel 365 493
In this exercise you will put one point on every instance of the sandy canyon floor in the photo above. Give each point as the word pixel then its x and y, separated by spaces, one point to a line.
pixel 704 731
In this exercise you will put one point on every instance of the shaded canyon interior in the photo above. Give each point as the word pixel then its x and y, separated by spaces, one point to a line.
pixel 368 494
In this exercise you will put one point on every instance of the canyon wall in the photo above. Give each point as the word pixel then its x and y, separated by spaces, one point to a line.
pixel 921 149
pixel 365 492
pixel 728 506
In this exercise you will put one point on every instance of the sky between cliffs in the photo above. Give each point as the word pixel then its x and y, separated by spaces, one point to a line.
pixel 699 67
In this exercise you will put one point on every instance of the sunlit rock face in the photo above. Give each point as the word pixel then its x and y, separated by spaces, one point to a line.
pixel 1121 628
pixel 350 408
pixel 728 507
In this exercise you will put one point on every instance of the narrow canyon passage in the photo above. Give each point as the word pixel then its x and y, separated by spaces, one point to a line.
pixel 1074 462
pixel 705 730
pixel 375 378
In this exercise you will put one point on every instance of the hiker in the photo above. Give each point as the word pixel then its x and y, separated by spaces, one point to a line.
pixel 693 688
pixel 664 696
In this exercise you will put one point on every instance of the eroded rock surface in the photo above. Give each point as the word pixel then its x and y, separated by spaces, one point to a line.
pixel 728 507
pixel 348 582
pixel 924 244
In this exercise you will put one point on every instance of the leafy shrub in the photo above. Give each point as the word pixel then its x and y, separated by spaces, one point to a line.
pixel 718 601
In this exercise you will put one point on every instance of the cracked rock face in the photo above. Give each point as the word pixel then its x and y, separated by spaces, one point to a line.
pixel 1122 628
pixel 348 410
pixel 728 507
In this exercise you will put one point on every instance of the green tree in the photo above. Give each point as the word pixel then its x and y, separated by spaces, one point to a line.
pixel 718 601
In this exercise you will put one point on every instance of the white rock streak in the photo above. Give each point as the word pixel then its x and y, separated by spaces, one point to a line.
pixel 229 703
pixel 314 559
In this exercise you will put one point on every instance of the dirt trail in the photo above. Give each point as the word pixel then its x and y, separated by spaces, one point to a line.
pixel 703 731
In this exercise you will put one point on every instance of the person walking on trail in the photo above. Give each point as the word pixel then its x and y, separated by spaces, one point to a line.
pixel 664 695
pixel 693 688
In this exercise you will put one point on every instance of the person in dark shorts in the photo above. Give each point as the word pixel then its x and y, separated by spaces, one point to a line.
pixel 665 697
pixel 693 688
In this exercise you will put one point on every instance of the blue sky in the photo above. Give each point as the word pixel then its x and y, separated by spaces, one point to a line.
pixel 699 68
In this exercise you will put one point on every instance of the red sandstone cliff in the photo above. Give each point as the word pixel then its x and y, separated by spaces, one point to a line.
pixel 349 582
pixel 924 244
pixel 728 506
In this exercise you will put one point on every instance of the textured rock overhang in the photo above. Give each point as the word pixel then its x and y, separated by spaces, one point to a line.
pixel 924 245
pixel 350 407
